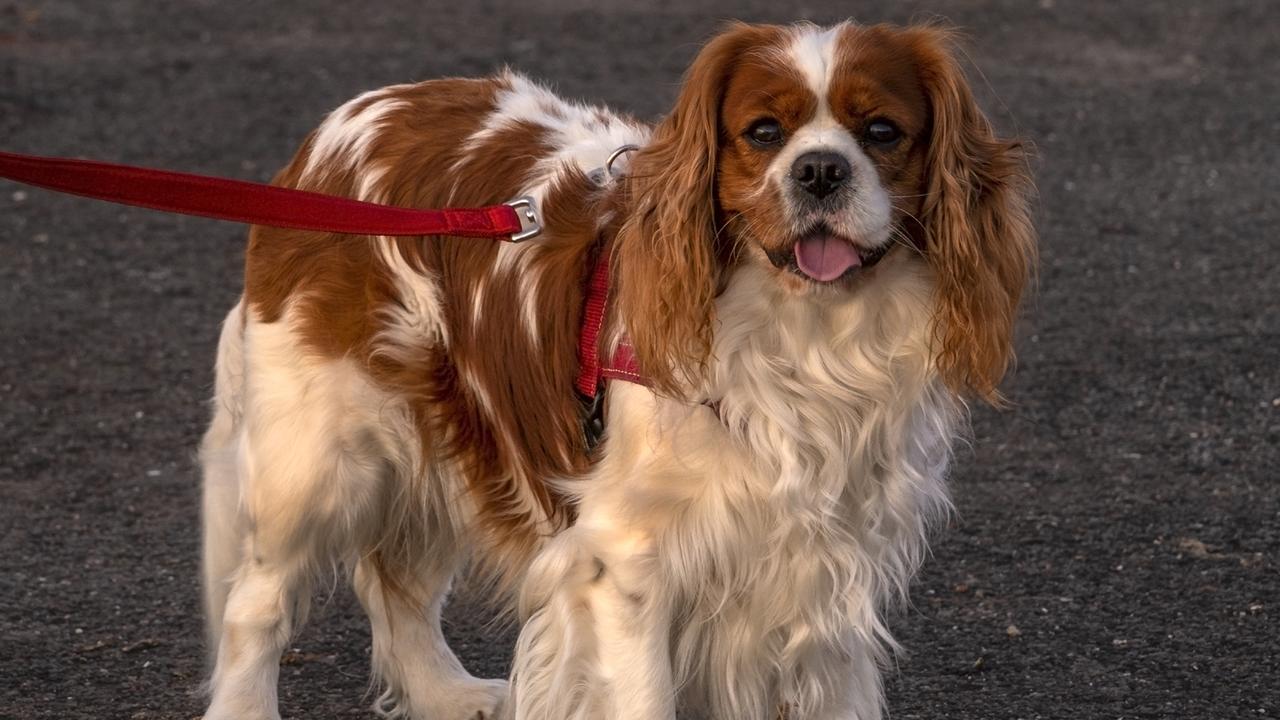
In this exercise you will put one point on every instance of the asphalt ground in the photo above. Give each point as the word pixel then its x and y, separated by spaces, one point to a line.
pixel 1115 549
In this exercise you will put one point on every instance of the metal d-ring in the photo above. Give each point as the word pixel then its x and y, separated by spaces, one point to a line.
pixel 613 157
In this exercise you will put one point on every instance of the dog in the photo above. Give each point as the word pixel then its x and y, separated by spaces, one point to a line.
pixel 815 262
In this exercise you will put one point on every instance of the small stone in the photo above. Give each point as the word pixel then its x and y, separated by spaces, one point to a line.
pixel 1195 548
pixel 143 644
pixel 1013 631
pixel 19 196
pixel 92 647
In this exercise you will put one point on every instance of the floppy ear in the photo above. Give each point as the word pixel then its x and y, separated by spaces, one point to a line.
pixel 667 253
pixel 979 237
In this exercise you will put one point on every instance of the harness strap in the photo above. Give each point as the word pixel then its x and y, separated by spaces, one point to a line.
pixel 260 204
pixel 621 365
pixel 592 372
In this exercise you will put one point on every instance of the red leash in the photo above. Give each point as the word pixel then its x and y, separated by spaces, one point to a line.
pixel 259 204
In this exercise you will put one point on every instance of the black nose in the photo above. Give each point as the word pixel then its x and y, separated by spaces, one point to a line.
pixel 820 173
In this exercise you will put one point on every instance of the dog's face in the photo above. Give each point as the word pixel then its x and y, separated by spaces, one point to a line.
pixel 815 154
pixel 823 140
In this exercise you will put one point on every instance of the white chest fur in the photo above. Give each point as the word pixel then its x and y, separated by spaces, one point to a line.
pixel 774 528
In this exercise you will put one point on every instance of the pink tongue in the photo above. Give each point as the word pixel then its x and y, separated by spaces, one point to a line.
pixel 825 257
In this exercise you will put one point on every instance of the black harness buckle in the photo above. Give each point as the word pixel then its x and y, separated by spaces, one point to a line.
pixel 592 417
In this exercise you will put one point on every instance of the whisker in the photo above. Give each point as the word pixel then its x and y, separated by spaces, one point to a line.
pixel 913 217
pixel 900 238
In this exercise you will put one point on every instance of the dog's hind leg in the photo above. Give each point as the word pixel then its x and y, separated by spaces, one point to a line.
pixel 312 470
pixel 423 680
pixel 266 601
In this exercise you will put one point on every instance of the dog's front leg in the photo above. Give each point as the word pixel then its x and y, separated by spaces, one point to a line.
pixel 852 688
pixel 631 610
pixel 596 643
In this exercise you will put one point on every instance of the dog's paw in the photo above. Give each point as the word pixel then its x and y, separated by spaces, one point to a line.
pixel 474 699
pixel 453 697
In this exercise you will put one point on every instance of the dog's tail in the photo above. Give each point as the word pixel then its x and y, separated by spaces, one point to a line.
pixel 219 458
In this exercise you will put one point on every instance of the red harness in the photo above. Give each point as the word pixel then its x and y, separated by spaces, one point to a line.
pixel 259 204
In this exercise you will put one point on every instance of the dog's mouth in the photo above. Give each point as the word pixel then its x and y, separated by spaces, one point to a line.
pixel 823 256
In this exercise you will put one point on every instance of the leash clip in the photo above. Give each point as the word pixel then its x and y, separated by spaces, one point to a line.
pixel 527 211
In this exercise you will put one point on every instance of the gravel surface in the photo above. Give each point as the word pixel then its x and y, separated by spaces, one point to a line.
pixel 1115 549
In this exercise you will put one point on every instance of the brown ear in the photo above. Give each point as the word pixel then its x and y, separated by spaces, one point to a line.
pixel 667 255
pixel 979 236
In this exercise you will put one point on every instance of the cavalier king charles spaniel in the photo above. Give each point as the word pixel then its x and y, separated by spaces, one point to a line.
pixel 816 258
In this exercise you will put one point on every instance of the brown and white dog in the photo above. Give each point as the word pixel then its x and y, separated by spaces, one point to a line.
pixel 817 256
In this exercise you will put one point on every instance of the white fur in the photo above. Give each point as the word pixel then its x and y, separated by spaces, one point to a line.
pixel 344 137
pixel 219 454
pixel 771 537
pixel 813 52
pixel 417 321
pixel 582 136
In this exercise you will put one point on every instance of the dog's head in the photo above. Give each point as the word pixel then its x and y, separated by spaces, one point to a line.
pixel 815 153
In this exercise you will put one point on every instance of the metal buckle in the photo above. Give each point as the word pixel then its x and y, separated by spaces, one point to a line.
pixel 527 210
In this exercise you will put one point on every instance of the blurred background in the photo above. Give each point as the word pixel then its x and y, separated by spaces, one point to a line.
pixel 1115 547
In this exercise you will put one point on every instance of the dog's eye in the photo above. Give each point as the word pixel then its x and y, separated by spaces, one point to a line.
pixel 765 131
pixel 882 132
